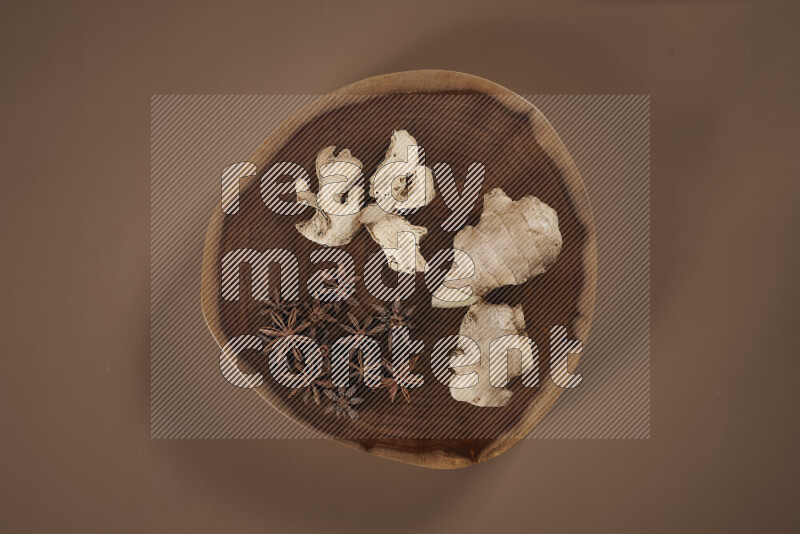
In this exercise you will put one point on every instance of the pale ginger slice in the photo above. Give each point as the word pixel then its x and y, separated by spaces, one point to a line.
pixel 513 242
pixel 388 229
pixel 484 323
pixel 402 183
pixel 338 203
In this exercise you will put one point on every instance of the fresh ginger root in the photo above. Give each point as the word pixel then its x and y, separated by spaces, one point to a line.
pixel 513 242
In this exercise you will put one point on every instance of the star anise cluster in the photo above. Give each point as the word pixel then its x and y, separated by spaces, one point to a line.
pixel 324 322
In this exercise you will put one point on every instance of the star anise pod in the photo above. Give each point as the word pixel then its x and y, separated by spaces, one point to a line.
pixel 283 327
pixel 325 351
pixel 362 368
pixel 317 387
pixel 318 316
pixel 343 402
pixel 313 391
pixel 362 329
pixel 392 386
pixel 277 304
pixel 394 315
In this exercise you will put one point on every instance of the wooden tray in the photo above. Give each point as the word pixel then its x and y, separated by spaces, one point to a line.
pixel 522 154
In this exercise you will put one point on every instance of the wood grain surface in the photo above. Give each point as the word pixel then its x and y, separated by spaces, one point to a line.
pixel 459 119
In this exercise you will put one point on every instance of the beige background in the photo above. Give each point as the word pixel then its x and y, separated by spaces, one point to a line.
pixel 77 80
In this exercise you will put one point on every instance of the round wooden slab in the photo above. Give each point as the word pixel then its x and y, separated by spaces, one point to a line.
pixel 458 119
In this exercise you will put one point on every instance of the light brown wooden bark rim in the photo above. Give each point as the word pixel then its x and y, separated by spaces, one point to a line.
pixel 441 454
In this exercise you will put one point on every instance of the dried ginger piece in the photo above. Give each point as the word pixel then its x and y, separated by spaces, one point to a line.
pixel 400 185
pixel 513 242
pixel 339 201
pixel 484 323
pixel 387 229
